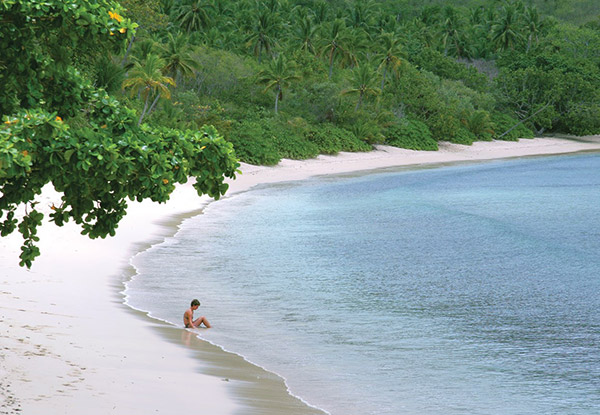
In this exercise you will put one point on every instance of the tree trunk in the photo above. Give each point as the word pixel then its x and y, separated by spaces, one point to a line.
pixel 383 79
pixel 124 61
pixel 153 104
pixel 331 63
pixel 144 111
pixel 199 81
pixel 360 97
pixel 523 120
pixel 259 50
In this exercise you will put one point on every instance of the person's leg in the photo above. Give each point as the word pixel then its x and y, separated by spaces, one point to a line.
pixel 201 320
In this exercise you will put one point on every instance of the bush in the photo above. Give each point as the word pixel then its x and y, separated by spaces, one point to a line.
pixel 443 126
pixel 581 119
pixel 368 132
pixel 253 144
pixel 290 141
pixel 503 122
pixel 480 124
pixel 267 140
pixel 464 136
pixel 213 80
pixel 316 101
pixel 411 134
pixel 330 139
pixel 364 124
pixel 447 67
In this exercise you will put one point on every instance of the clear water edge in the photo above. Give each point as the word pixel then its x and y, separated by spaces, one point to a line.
pixel 135 273
pixel 127 297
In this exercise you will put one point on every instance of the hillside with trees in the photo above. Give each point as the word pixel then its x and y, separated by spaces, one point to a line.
pixel 293 79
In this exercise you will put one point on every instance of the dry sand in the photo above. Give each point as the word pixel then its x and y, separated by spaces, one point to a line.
pixel 69 344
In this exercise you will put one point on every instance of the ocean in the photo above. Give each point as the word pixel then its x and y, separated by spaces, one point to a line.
pixel 461 289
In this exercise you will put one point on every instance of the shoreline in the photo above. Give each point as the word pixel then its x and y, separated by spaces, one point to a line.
pixel 71 343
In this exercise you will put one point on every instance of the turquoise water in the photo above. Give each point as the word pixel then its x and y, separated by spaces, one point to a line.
pixel 469 289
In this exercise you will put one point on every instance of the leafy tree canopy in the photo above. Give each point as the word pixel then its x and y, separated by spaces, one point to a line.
pixel 58 128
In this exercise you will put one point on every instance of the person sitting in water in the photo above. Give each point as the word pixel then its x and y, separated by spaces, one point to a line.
pixel 188 317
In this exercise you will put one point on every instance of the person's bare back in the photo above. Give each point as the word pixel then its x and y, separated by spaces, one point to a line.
pixel 188 317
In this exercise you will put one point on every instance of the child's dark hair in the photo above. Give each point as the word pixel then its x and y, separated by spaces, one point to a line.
pixel 195 302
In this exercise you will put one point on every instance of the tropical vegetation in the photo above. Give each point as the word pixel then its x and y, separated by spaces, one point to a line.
pixel 271 75
pixel 114 101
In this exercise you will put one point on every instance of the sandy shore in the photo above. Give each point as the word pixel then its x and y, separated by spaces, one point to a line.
pixel 69 344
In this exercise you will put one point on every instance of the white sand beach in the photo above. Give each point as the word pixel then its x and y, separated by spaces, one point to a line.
pixel 69 344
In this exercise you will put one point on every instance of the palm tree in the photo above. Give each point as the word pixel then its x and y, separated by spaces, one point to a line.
pixel 109 74
pixel 451 30
pixel 390 57
pixel 335 41
pixel 489 17
pixel 533 24
pixel 479 123
pixel 475 38
pixel 423 32
pixel 278 75
pixel 430 15
pixel 305 33
pixel 357 47
pixel 272 5
pixel 476 16
pixel 166 6
pixel 363 84
pixel 178 61
pixel 221 8
pixel 143 48
pixel 387 23
pixel 147 80
pixel 360 15
pixel 191 15
pixel 218 13
pixel 504 33
pixel 320 12
pixel 264 28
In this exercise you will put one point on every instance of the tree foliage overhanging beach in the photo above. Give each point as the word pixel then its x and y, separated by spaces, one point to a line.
pixel 110 101
pixel 60 128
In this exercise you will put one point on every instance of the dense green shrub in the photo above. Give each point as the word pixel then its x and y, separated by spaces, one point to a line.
pixel 253 144
pixel 222 74
pixel 581 119
pixel 501 123
pixel 444 126
pixel 187 110
pixel 368 131
pixel 463 136
pixel 330 139
pixel 480 124
pixel 447 67
pixel 326 143
pixel 290 142
pixel 411 134
pixel 417 92
pixel 363 123
pixel 317 101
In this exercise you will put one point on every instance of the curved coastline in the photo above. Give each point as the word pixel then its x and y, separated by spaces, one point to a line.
pixel 275 394
pixel 296 171
pixel 68 347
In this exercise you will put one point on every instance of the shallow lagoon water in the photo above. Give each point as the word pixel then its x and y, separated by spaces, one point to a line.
pixel 468 289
